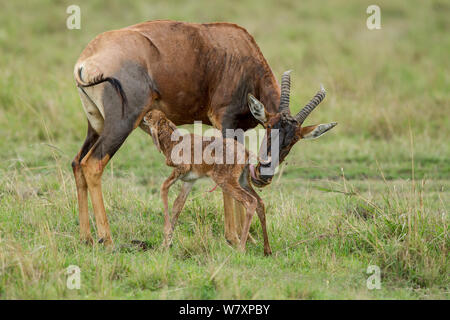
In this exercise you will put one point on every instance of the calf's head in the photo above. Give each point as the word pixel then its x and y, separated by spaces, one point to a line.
pixel 158 124
pixel 282 127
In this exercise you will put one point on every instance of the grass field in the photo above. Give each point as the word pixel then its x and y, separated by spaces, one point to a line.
pixel 374 191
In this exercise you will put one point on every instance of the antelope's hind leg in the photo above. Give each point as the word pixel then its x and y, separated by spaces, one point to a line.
pixel 93 165
pixel 121 116
pixel 81 185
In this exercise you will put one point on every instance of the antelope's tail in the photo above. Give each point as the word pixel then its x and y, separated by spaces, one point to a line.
pixel 85 79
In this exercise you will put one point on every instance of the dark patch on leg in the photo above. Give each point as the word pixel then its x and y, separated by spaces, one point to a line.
pixel 91 139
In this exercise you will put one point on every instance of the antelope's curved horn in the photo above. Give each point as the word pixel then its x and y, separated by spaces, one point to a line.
pixel 285 91
pixel 304 113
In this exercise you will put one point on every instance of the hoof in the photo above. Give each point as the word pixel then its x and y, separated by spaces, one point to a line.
pixel 167 244
pixel 105 241
pixel 87 240
pixel 233 240
pixel 241 249
pixel 140 244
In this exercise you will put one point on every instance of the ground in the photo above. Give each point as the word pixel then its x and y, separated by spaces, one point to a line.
pixel 373 191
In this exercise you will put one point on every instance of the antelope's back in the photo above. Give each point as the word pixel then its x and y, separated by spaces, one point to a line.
pixel 192 65
pixel 201 66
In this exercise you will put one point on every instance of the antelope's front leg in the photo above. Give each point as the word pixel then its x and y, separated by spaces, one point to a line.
pixel 239 194
pixel 230 220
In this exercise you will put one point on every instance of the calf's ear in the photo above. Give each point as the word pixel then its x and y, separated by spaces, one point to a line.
pixel 315 131
pixel 154 133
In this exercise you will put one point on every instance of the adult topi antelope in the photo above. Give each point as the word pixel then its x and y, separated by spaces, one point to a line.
pixel 207 72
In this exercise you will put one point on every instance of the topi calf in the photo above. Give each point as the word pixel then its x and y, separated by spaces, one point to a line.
pixel 233 178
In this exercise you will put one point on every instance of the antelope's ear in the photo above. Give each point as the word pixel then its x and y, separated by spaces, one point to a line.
pixel 256 108
pixel 154 134
pixel 315 131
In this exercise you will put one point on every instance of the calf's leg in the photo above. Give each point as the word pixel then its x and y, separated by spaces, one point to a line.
pixel 240 220
pixel 179 203
pixel 164 195
pixel 262 217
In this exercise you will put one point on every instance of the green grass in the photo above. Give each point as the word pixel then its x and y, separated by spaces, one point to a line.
pixel 374 191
